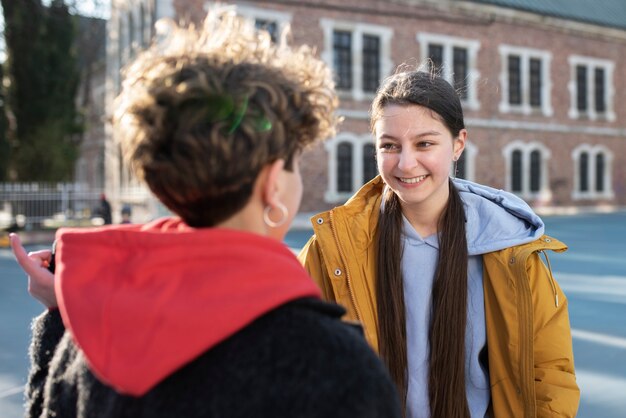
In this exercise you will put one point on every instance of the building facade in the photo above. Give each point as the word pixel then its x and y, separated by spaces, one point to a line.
pixel 541 88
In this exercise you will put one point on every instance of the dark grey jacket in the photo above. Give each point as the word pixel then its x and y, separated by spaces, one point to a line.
pixel 298 360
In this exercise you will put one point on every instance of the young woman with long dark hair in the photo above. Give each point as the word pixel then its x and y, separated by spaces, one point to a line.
pixel 446 275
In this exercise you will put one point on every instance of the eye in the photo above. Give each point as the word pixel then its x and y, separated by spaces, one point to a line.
pixel 388 146
pixel 424 144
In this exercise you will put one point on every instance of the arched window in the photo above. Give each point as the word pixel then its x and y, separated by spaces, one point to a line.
pixel 535 171
pixel 369 162
pixel 583 164
pixel 516 171
pixel 344 167
pixel 600 172
pixel 351 163
pixel 592 175
pixel 527 169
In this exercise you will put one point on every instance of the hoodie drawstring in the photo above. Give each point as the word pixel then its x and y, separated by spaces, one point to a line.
pixel 556 295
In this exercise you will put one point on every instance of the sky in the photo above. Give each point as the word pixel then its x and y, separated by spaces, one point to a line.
pixel 99 8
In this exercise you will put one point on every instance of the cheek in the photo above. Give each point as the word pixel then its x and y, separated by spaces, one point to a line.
pixel 385 161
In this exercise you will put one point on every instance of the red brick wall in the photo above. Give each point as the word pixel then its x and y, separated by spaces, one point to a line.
pixel 408 19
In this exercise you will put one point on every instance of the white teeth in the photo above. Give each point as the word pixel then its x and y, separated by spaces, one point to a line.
pixel 412 180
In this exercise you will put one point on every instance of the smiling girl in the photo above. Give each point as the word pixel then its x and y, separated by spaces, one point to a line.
pixel 446 275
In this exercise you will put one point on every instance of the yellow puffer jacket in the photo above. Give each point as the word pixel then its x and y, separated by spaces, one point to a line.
pixel 531 363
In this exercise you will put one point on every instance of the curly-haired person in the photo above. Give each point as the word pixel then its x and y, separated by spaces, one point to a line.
pixel 207 314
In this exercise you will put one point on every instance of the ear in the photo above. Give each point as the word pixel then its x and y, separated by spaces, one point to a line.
pixel 271 187
pixel 459 144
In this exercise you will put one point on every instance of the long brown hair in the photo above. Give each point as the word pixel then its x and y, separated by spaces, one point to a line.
pixel 446 378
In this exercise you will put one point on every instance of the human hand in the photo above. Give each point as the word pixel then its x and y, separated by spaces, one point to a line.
pixel 35 265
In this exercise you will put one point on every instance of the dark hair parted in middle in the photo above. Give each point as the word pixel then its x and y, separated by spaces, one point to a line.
pixel 449 294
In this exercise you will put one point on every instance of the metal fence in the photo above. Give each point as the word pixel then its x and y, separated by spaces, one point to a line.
pixel 46 205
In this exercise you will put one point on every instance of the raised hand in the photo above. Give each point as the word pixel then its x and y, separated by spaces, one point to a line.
pixel 35 264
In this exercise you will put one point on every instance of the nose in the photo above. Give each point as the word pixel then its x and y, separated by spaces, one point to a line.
pixel 407 160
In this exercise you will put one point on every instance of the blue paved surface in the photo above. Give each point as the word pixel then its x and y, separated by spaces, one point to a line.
pixel 592 274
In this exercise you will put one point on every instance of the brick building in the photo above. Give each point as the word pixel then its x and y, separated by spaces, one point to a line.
pixel 540 85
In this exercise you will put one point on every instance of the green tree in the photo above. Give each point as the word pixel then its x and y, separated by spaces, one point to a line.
pixel 5 148
pixel 43 74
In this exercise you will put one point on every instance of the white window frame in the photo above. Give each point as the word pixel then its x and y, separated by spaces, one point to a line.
pixel 609 89
pixel 252 13
pixel 544 194
pixel 358 143
pixel 448 43
pixel 525 55
pixel 358 30
pixel 593 151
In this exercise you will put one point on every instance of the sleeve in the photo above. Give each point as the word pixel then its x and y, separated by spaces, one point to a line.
pixel 313 261
pixel 557 394
pixel 47 330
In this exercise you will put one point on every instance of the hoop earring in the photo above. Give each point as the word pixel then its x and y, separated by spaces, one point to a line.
pixel 455 168
pixel 284 215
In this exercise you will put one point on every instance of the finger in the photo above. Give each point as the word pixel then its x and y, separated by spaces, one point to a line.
pixel 42 257
pixel 30 262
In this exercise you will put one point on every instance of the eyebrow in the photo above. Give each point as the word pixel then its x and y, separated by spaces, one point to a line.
pixel 418 136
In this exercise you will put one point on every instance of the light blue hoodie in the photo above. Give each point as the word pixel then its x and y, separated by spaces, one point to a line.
pixel 495 220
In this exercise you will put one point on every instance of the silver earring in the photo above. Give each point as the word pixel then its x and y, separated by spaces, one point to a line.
pixel 283 217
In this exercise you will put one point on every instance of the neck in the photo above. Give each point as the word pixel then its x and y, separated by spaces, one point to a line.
pixel 424 217
pixel 248 219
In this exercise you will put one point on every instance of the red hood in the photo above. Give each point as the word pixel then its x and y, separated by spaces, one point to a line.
pixel 142 301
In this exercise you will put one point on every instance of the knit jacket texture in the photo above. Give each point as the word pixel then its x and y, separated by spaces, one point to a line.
pixel 299 360
pixel 530 355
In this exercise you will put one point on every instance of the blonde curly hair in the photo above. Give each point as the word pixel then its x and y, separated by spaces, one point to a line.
pixel 204 110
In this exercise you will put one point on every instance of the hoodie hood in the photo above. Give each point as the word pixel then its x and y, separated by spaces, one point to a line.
pixel 142 301
pixel 496 219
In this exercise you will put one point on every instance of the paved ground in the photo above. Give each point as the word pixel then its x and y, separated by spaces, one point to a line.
pixel 592 274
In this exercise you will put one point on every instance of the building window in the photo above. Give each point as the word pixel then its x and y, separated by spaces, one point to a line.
pixel 526 172
pixel 352 163
pixel 581 88
pixel 460 71
pixel 435 53
pixel 535 171
pixel 599 90
pixel 342 59
pixel 515 80
pixel 371 63
pixel 516 172
pixel 591 88
pixel 369 162
pixel 270 26
pixel 535 83
pixel 272 21
pixel 456 60
pixel 583 175
pixel 592 172
pixel 600 167
pixel 344 167
pixel 525 80
pixel 359 55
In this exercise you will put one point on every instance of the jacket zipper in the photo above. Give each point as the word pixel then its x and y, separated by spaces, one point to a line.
pixel 525 329
pixel 345 268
